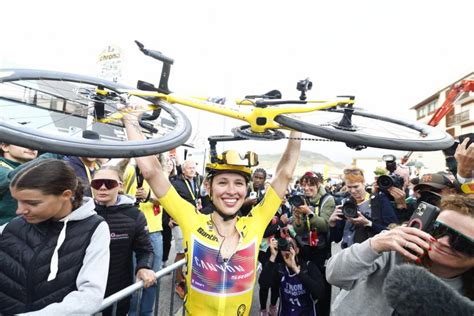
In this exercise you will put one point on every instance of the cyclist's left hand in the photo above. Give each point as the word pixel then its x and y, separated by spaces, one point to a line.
pixel 147 276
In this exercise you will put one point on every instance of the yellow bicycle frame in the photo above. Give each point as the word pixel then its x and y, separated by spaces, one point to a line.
pixel 260 119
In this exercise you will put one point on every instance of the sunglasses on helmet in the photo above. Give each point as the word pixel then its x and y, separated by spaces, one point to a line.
pixel 109 183
pixel 231 157
pixel 457 240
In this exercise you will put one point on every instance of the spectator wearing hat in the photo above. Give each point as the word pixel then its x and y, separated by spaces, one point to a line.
pixel 430 188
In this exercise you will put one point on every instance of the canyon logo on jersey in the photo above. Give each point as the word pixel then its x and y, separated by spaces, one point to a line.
pixel 211 275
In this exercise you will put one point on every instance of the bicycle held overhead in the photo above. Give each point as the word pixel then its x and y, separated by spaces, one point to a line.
pixel 43 109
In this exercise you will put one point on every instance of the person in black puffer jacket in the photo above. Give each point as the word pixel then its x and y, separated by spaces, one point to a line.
pixel 128 234
pixel 54 256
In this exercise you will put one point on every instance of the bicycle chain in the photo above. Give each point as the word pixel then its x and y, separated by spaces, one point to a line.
pixel 310 139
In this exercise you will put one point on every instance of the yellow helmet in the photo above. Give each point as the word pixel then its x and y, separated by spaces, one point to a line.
pixel 232 161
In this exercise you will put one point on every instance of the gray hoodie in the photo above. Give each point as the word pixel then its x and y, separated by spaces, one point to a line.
pixel 360 273
pixel 92 278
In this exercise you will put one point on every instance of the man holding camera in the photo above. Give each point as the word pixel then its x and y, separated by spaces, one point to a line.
pixel 362 215
pixel 311 213
pixel 431 188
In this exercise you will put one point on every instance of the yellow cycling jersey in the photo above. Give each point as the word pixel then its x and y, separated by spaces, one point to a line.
pixel 215 287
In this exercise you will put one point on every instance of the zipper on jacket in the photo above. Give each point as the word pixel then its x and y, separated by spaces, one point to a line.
pixel 31 268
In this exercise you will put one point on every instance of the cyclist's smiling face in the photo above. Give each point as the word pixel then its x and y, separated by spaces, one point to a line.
pixel 228 191
pixel 104 195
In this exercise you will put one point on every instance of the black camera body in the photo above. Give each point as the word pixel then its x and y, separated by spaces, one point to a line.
pixel 297 200
pixel 350 208
pixel 284 244
pixel 429 197
pixel 385 182
pixel 424 217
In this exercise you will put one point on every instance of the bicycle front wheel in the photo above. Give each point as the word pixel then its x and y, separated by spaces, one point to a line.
pixel 368 129
pixel 48 111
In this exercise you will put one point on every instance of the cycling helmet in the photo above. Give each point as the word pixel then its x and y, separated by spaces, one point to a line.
pixel 232 161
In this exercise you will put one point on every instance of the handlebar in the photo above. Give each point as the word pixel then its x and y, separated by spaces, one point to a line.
pixel 154 54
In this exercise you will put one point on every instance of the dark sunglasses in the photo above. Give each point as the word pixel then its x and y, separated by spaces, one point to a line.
pixel 353 171
pixel 457 240
pixel 109 183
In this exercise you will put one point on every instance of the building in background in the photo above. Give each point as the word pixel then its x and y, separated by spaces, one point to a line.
pixel 458 121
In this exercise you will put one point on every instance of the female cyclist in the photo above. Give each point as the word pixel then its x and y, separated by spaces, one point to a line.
pixel 221 248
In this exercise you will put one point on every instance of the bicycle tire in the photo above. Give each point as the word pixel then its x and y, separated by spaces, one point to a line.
pixel 174 135
pixel 433 139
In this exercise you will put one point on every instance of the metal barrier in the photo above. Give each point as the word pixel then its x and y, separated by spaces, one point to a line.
pixel 138 286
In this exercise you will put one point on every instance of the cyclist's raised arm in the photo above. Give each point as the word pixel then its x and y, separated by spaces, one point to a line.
pixel 149 166
pixel 287 164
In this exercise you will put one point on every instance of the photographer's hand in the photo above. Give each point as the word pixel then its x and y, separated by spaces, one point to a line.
pixel 336 216
pixel 465 158
pixel 402 238
pixel 398 196
pixel 273 249
pixel 304 209
pixel 289 258
pixel 360 220
pixel 284 219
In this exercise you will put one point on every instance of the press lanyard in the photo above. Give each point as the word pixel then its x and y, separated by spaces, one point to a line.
pixel 190 190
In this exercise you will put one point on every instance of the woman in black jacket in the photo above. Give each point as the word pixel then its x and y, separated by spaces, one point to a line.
pixel 301 283
pixel 128 234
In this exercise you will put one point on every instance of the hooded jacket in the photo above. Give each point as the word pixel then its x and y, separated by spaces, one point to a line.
pixel 128 234
pixel 54 267
pixel 8 204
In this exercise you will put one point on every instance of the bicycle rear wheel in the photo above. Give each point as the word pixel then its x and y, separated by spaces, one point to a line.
pixel 48 110
pixel 369 130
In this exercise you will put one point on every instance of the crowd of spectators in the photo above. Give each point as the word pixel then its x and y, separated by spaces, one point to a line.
pixel 369 216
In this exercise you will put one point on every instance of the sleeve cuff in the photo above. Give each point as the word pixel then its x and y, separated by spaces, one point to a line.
pixel 463 180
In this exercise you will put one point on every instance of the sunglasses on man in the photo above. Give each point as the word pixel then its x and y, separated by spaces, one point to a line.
pixel 109 183
pixel 457 240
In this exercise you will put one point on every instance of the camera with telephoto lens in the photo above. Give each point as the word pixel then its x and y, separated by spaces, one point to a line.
pixel 424 217
pixel 385 182
pixel 350 208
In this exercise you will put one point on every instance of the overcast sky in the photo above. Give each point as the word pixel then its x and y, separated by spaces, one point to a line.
pixel 391 55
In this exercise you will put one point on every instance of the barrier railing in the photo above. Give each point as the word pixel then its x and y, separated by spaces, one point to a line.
pixel 114 298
